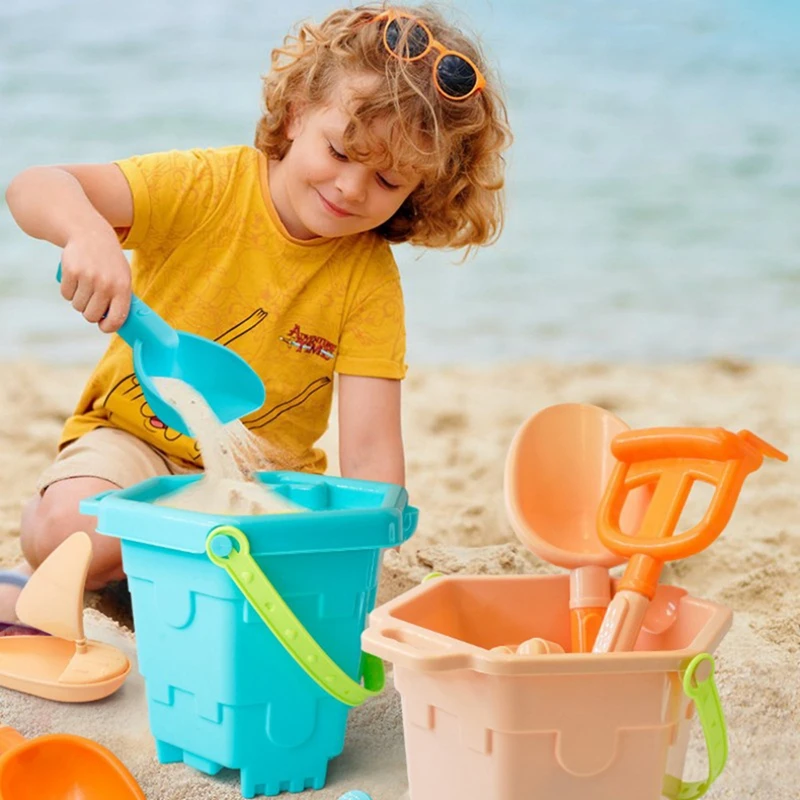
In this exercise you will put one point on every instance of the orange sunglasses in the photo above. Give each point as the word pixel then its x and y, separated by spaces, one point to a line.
pixel 455 75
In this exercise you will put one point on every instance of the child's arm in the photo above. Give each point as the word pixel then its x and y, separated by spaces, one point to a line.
pixel 77 208
pixel 370 436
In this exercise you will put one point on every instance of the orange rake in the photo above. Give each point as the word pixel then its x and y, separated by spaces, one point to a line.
pixel 670 459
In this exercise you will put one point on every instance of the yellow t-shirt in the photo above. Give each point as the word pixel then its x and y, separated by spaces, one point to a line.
pixel 211 256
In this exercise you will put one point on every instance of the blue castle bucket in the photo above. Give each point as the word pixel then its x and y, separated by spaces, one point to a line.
pixel 224 689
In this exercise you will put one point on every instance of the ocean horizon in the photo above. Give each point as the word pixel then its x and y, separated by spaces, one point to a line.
pixel 653 185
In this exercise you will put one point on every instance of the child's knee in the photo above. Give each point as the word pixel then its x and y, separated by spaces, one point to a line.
pixel 46 523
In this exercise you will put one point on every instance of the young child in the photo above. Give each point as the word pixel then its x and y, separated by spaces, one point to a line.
pixel 380 125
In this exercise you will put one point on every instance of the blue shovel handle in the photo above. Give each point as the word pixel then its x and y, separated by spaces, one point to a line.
pixel 143 324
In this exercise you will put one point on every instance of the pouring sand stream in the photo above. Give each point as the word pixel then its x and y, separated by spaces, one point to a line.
pixel 231 457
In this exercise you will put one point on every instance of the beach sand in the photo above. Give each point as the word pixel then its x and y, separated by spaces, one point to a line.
pixel 458 425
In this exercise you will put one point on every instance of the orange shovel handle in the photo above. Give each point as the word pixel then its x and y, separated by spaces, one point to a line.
pixel 673 459
pixel 712 444
pixel 589 596
pixel 584 626
pixel 673 480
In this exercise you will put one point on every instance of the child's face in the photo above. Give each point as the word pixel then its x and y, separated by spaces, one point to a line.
pixel 318 191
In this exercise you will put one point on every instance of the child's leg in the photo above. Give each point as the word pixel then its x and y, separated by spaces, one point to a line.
pixel 49 519
pixel 8 597
pixel 105 458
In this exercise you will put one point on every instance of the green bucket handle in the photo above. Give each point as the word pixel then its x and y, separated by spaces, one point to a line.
pixel 229 549
pixel 712 719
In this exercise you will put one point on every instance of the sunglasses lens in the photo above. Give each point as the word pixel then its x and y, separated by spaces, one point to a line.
pixel 405 42
pixel 456 76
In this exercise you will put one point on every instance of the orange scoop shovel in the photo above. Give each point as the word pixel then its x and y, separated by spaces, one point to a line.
pixel 556 470
pixel 61 767
pixel 670 460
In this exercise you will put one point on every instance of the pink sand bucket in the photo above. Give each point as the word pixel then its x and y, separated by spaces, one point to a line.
pixel 496 725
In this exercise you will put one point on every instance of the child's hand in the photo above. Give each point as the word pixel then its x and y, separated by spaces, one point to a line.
pixel 96 276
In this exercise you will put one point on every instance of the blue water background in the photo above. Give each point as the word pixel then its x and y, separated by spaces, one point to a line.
pixel 653 188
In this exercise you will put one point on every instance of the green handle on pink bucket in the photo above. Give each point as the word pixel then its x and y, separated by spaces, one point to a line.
pixel 712 719
pixel 229 549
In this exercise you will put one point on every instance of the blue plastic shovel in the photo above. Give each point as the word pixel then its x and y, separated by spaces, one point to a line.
pixel 226 381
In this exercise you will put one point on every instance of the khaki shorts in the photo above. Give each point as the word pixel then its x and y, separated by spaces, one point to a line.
pixel 110 454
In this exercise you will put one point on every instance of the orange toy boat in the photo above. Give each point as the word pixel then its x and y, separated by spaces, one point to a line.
pixel 63 666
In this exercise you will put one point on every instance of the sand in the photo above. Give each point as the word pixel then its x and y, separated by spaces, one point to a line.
pixel 231 456
pixel 458 424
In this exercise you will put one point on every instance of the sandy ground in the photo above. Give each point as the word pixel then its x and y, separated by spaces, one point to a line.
pixel 458 425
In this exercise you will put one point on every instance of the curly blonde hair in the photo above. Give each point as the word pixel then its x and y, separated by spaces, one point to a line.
pixel 456 147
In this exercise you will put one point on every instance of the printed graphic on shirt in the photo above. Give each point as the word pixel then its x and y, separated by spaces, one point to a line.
pixel 308 343
pixel 288 405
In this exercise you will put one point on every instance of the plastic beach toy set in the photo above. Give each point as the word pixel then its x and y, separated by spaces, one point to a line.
pixel 256 635
pixel 576 686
